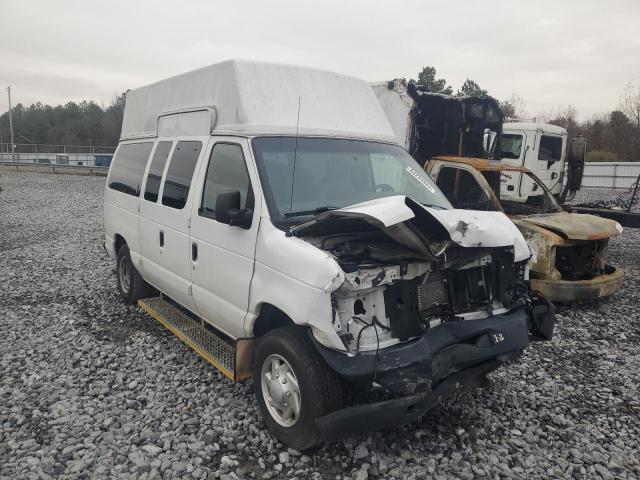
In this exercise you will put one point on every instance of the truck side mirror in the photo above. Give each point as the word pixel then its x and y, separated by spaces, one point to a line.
pixel 228 210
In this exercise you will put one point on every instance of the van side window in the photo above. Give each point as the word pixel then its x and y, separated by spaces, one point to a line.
pixel 226 171
pixel 128 167
pixel 180 173
pixel 156 169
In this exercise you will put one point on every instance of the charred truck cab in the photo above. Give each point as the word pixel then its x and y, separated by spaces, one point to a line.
pixel 267 216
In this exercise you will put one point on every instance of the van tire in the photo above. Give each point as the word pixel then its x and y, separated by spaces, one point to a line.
pixel 131 285
pixel 320 388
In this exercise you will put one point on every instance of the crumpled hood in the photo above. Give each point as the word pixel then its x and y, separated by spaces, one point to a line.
pixel 576 226
pixel 468 228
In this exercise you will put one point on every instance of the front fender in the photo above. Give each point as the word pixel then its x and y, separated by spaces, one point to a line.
pixel 543 242
pixel 297 278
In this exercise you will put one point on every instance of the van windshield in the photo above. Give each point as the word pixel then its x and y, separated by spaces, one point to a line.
pixel 335 173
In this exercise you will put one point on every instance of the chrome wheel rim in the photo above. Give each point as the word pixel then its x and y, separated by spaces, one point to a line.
pixel 280 390
pixel 125 274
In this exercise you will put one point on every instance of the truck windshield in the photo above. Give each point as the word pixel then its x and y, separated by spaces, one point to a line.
pixel 334 173
pixel 511 145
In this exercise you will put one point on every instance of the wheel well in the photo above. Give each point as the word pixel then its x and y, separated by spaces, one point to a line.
pixel 270 317
pixel 119 242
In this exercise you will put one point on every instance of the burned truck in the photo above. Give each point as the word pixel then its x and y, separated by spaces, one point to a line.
pixel 570 249
pixel 459 142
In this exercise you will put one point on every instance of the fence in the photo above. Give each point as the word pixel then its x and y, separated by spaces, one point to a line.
pixel 611 175
pixel 87 155
pixel 54 168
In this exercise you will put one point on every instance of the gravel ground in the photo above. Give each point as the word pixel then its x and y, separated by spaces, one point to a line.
pixel 611 197
pixel 91 388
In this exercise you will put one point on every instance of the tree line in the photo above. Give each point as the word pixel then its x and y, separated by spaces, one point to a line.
pixel 611 136
pixel 83 123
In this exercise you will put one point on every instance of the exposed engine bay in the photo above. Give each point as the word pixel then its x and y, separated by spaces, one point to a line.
pixel 391 294
pixel 582 260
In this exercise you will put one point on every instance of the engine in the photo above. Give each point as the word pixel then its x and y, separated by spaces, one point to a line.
pixel 389 296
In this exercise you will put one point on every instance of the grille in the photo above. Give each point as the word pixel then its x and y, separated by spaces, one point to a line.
pixel 431 295
pixel 432 299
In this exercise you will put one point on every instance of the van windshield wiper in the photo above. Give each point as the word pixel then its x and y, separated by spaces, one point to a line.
pixel 315 211
pixel 433 206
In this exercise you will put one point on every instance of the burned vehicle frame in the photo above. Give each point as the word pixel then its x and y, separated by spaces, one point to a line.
pixel 446 125
pixel 467 133
pixel 570 249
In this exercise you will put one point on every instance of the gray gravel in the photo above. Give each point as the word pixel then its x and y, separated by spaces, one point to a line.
pixel 90 388
pixel 612 197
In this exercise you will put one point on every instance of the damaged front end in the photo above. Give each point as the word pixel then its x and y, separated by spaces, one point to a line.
pixel 431 301
pixel 571 256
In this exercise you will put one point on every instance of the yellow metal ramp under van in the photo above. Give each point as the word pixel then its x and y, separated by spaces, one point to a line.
pixel 231 358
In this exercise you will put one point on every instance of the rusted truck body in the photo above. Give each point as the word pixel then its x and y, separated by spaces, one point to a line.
pixel 570 262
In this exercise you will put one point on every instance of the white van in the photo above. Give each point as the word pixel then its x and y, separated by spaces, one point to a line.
pixel 267 216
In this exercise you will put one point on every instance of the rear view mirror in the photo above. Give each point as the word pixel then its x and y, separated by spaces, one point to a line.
pixel 228 210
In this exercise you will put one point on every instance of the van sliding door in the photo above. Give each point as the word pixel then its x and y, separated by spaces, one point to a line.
pixel 165 217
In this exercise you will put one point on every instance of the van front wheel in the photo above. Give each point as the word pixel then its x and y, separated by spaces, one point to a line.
pixel 293 386
pixel 131 285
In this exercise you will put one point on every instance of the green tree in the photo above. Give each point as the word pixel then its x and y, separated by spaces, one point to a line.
pixel 621 138
pixel 81 123
pixel 470 89
pixel 427 78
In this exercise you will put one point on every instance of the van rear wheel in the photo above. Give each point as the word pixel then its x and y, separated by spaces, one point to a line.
pixel 131 285
pixel 293 386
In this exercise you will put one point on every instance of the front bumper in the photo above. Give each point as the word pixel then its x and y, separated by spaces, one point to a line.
pixel 447 359
pixel 565 291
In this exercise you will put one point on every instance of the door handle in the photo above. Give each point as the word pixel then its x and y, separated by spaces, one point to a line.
pixel 194 251
pixel 161 238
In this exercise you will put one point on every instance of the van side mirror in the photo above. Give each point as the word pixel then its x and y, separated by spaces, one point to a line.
pixel 228 210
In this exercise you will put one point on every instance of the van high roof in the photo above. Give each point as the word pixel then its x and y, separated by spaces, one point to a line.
pixel 256 98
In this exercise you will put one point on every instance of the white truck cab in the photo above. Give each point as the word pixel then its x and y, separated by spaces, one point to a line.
pixel 267 215
pixel 539 147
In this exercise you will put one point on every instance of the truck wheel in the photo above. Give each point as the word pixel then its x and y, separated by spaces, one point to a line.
pixel 294 386
pixel 131 286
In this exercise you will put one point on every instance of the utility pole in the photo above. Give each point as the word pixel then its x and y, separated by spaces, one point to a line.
pixel 13 145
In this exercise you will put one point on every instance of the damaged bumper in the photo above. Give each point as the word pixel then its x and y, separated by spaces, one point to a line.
pixel 578 290
pixel 447 359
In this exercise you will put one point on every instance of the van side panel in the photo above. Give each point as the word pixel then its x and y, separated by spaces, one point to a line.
pixel 121 218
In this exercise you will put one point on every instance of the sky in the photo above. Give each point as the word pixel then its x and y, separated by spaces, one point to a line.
pixel 552 53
